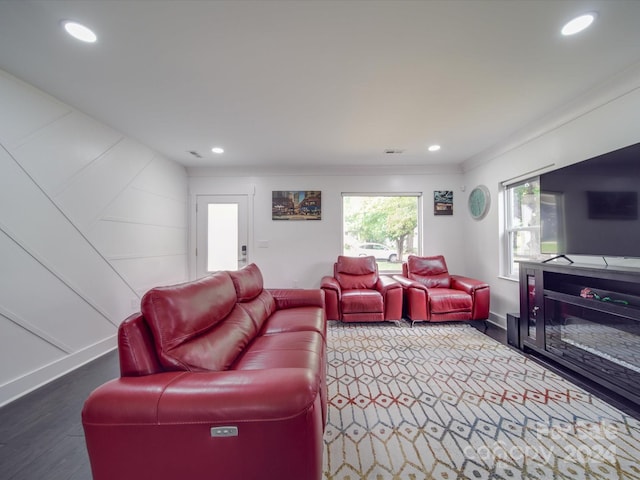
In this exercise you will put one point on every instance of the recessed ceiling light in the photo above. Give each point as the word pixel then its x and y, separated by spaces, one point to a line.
pixel 80 32
pixel 578 24
pixel 434 148
pixel 217 150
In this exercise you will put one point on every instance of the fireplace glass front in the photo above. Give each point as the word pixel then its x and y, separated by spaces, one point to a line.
pixel 599 342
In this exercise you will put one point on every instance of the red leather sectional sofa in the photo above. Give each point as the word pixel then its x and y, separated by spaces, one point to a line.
pixel 221 379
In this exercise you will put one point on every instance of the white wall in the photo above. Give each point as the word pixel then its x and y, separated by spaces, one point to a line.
pixel 299 253
pixel 89 220
pixel 600 121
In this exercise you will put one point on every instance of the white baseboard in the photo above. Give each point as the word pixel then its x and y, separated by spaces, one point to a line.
pixel 19 387
pixel 499 321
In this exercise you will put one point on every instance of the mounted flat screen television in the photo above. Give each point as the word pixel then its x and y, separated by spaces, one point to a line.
pixel 591 207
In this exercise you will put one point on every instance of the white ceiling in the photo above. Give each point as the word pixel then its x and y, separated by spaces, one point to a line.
pixel 314 83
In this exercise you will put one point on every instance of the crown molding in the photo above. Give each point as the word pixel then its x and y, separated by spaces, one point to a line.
pixel 361 170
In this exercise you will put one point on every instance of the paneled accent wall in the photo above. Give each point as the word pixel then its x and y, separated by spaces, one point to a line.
pixel 89 220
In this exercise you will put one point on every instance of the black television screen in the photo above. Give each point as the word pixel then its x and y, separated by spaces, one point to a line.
pixel 591 207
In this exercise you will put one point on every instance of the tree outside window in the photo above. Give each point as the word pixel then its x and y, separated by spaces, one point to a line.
pixel 384 226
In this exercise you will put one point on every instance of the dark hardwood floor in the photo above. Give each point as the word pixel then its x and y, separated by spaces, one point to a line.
pixel 585 383
pixel 41 434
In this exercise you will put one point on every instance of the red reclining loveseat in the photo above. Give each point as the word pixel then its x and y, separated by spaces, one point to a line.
pixel 220 378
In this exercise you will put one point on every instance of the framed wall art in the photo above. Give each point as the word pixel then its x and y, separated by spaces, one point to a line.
pixel 296 205
pixel 443 202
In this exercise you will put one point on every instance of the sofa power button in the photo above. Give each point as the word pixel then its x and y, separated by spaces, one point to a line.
pixel 224 431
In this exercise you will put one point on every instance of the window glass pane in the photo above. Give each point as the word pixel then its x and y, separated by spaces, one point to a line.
pixel 525 244
pixel 551 204
pixel 222 238
pixel 523 223
pixel 383 226
pixel 525 204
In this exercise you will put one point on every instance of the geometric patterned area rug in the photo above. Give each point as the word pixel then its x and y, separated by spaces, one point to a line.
pixel 448 402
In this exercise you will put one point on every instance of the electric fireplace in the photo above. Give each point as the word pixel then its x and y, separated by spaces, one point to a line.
pixel 606 344
pixel 585 318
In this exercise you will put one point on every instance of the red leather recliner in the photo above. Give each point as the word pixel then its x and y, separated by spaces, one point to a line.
pixel 356 293
pixel 433 295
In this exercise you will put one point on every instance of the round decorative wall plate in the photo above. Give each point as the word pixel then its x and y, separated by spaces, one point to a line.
pixel 479 202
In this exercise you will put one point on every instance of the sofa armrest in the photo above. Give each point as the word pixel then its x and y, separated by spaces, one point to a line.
pixel 127 400
pixel 291 298
pixel 333 293
pixel 330 283
pixel 478 290
pixel 408 283
pixel 161 426
pixel 229 396
pixel 416 298
pixel 386 283
pixel 466 284
pixel 392 292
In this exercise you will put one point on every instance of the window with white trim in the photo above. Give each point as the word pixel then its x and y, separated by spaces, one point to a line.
pixel 522 232
pixel 385 226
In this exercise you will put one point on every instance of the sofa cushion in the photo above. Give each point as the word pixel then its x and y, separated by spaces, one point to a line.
pixel 260 308
pixel 356 272
pixel 297 319
pixel 362 301
pixel 445 300
pixel 284 350
pixel 247 282
pixel 430 271
pixel 217 348
pixel 196 325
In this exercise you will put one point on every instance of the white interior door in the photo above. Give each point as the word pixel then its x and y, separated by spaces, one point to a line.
pixel 221 233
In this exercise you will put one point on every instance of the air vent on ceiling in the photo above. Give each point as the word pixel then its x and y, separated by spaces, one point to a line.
pixel 195 154
pixel 393 151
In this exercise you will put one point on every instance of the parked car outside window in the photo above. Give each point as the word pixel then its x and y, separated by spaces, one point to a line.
pixel 378 250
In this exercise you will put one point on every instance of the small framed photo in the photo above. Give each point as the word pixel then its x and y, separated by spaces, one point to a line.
pixel 296 205
pixel 443 202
